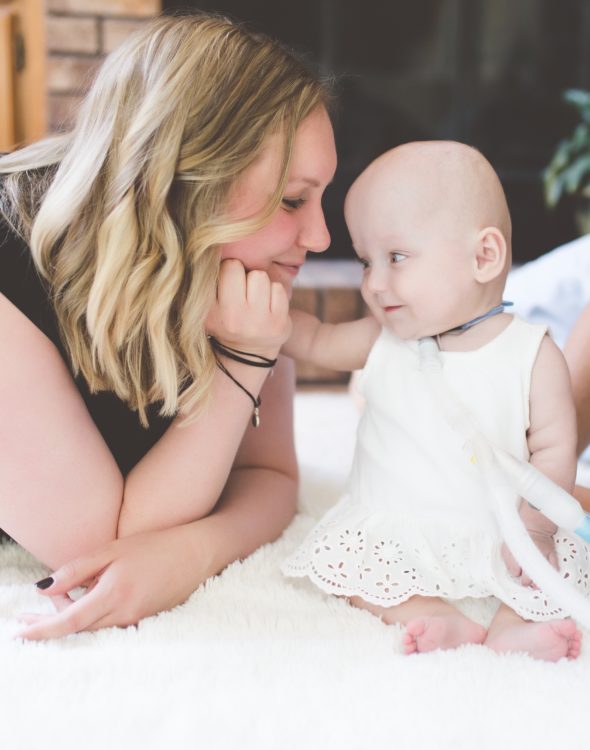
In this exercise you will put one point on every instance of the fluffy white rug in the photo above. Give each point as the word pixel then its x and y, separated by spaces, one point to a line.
pixel 253 661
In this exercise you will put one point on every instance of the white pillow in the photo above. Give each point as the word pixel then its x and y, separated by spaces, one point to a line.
pixel 554 288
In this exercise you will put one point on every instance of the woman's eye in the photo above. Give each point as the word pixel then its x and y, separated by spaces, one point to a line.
pixel 397 257
pixel 293 203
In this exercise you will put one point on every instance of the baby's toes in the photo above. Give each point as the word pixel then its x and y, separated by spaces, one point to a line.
pixel 409 644
pixel 575 645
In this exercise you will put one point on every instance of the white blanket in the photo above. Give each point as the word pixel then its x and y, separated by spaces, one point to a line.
pixel 254 661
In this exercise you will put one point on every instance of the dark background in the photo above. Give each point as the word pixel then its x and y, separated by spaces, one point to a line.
pixel 486 72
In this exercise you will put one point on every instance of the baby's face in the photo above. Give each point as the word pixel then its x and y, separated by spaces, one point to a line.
pixel 418 262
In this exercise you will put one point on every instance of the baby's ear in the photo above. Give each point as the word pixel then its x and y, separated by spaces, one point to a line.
pixel 490 255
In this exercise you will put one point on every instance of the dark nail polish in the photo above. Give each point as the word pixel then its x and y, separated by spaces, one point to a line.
pixel 44 583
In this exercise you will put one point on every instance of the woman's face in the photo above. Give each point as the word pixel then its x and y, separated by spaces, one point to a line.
pixel 298 227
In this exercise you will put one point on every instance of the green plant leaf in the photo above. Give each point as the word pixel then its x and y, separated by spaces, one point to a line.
pixel 561 157
pixel 553 190
pixel 569 168
pixel 579 99
pixel 575 174
pixel 581 137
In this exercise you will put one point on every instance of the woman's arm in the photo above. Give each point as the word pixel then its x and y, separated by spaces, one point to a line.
pixel 60 489
pixel 577 355
pixel 181 478
pixel 259 498
pixel 153 571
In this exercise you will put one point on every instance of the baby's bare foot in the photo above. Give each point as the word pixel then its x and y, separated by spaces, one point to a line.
pixel 550 641
pixel 441 631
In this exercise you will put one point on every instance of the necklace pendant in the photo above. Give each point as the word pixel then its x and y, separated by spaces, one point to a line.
pixel 256 417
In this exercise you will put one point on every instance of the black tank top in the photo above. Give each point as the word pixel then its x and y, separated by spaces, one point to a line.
pixel 117 423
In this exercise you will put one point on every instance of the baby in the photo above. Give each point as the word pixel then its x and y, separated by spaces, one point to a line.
pixel 414 533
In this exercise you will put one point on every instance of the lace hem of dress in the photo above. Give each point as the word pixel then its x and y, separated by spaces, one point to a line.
pixel 384 573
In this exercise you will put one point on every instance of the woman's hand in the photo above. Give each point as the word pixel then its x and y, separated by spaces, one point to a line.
pixel 250 311
pixel 127 579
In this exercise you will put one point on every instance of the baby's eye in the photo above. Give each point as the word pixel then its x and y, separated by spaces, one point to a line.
pixel 397 257
pixel 293 203
pixel 364 263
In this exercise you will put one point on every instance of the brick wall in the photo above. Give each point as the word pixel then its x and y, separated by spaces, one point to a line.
pixel 79 34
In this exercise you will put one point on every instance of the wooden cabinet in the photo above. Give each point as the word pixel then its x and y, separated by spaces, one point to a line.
pixel 22 72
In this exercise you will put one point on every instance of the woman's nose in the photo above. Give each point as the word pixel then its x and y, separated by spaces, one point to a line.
pixel 315 236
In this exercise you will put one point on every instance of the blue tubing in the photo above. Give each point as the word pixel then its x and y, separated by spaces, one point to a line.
pixel 583 529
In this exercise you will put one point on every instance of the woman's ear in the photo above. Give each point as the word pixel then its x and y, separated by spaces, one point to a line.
pixel 490 255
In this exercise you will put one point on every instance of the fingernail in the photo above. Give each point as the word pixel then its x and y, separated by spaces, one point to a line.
pixel 45 583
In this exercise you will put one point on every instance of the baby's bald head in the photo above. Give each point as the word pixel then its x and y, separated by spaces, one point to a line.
pixel 430 224
pixel 450 185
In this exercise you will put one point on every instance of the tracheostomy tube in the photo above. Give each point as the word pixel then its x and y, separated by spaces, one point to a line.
pixel 506 475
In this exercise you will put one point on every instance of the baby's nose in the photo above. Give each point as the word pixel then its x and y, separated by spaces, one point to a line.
pixel 376 281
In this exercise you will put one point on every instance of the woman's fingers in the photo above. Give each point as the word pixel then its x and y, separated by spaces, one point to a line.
pixel 250 311
pixel 61 602
pixel 81 615
pixel 75 573
pixel 126 580
pixel 109 621
pixel 230 297
pixel 72 616
pixel 231 287
pixel 279 300
pixel 258 291
pixel 28 618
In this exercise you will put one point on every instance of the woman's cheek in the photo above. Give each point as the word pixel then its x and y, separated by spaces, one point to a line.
pixel 277 238
pixel 259 250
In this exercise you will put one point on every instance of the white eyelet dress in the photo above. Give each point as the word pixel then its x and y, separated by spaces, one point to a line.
pixel 416 516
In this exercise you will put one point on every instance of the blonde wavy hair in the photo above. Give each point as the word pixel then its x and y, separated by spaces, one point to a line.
pixel 123 214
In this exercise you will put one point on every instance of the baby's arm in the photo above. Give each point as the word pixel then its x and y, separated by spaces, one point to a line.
pixel 340 346
pixel 576 354
pixel 551 436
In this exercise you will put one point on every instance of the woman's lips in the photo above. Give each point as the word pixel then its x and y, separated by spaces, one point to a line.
pixel 293 270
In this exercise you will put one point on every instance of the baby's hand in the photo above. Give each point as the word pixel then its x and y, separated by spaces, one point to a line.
pixel 546 546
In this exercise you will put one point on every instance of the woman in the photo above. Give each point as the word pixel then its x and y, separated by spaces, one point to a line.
pixel 197 163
